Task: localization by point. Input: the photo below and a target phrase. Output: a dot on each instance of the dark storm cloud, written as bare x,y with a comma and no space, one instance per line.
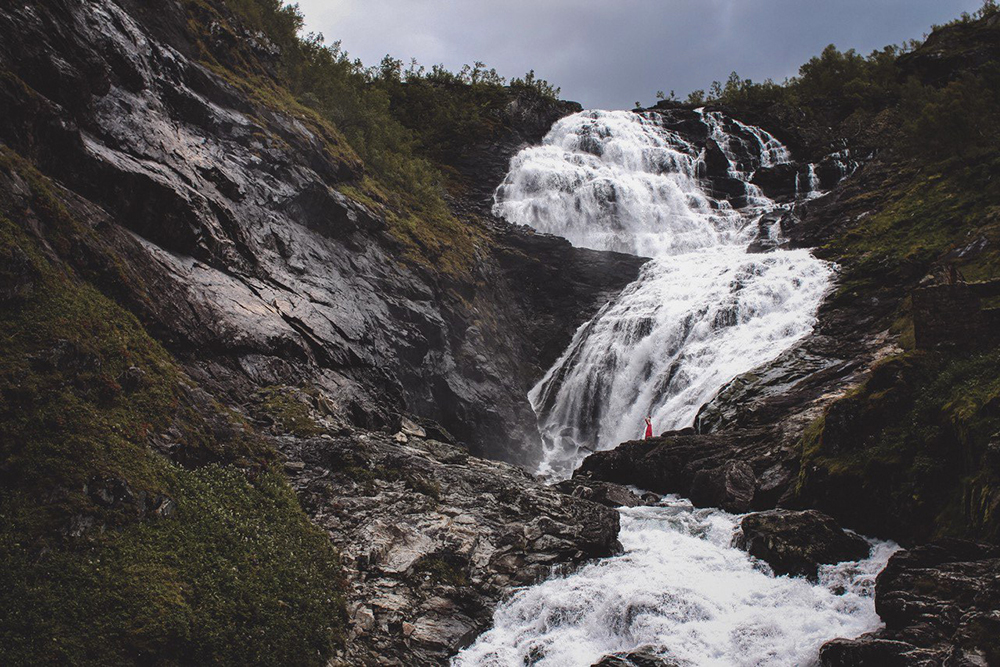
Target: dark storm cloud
611,53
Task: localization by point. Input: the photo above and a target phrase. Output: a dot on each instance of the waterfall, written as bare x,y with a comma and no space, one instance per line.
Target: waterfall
702,311
614,180
669,342
812,183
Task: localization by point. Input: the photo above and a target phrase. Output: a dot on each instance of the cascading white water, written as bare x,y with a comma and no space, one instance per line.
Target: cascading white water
613,180
681,592
812,183
669,342
701,313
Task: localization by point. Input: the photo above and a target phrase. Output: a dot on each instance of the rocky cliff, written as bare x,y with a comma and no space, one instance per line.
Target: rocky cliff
264,272
202,277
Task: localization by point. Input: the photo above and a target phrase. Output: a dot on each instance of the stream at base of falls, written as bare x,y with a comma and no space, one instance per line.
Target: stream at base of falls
703,311
681,591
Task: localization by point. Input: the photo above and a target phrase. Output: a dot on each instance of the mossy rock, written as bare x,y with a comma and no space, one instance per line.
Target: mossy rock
113,552
908,454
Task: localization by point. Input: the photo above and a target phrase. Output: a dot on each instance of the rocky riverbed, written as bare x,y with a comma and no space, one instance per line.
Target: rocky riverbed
432,538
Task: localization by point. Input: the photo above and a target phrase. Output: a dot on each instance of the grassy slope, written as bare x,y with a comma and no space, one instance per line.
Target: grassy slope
906,454
235,574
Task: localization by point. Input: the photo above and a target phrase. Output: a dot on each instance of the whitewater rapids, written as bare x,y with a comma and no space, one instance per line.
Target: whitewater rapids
681,592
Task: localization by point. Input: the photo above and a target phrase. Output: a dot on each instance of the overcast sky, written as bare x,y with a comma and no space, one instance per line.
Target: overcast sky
612,53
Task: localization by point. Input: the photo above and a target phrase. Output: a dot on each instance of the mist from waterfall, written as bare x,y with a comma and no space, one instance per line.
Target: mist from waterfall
702,311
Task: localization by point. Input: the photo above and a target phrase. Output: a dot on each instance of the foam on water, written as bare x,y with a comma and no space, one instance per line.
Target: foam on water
681,591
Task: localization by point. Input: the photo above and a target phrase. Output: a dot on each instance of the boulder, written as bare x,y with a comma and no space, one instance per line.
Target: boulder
605,493
637,658
870,651
797,543
778,181
940,605
729,487
736,470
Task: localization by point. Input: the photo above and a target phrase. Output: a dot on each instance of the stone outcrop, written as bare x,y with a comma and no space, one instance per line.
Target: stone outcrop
639,658
797,543
251,264
953,316
605,493
939,603
734,471
431,538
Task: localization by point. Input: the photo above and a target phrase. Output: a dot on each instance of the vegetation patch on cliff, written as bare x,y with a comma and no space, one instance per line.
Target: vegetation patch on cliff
921,440
399,126
115,552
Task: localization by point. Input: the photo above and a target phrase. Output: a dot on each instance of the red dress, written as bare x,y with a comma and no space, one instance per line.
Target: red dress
649,429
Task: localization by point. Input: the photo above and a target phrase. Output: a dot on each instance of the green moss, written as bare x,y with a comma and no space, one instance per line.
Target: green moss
441,570
912,442
430,235
235,574
925,212
287,409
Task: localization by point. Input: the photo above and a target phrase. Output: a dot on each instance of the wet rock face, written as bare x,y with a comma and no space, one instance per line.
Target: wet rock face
250,264
431,538
797,543
734,471
718,178
939,603
605,493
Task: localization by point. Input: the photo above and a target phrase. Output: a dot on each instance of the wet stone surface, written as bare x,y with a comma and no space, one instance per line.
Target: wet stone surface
431,538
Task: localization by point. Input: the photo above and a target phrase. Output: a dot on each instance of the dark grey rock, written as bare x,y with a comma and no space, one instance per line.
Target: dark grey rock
939,603
605,493
431,538
731,487
797,543
737,471
638,658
